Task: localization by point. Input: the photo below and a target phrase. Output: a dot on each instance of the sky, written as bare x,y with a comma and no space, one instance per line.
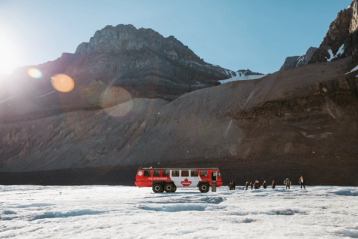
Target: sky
235,34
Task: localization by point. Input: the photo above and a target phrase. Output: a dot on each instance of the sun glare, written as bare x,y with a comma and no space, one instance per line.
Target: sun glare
9,55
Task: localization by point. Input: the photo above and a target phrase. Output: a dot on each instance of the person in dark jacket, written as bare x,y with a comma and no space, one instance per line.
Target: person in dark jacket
264,184
287,183
246,185
257,184
251,185
273,184
232,185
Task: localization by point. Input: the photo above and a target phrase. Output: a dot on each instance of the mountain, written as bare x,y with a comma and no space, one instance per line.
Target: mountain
118,63
300,121
242,75
341,39
145,62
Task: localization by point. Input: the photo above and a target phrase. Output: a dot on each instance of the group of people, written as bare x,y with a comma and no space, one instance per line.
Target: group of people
257,184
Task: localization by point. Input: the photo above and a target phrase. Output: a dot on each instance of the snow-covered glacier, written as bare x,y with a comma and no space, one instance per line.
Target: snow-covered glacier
130,212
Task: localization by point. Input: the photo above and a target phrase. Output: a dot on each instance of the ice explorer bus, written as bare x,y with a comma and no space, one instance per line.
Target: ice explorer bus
169,179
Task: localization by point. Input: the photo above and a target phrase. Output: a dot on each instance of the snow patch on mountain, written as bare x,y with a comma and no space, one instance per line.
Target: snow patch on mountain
339,53
353,70
243,75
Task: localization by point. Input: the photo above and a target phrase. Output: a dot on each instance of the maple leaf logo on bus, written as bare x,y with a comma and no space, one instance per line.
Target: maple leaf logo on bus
186,182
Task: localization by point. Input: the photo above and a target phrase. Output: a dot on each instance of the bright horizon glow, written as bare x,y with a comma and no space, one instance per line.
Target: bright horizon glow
9,54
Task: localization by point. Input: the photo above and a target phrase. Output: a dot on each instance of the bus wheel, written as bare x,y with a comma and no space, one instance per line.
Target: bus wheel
204,187
158,188
170,187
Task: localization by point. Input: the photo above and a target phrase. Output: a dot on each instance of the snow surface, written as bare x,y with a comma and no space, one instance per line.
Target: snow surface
339,52
240,76
130,212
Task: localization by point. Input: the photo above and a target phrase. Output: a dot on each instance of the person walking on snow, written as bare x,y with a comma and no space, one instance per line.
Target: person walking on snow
246,185
273,184
287,183
264,184
232,185
301,181
257,184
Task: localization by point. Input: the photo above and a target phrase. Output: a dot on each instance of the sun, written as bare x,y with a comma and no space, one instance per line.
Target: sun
9,55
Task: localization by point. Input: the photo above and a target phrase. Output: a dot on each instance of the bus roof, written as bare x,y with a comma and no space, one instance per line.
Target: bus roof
179,168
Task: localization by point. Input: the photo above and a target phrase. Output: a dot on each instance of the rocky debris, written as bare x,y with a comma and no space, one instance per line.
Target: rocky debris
340,40
76,139
297,61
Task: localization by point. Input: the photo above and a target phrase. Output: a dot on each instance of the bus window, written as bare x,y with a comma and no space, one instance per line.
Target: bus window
166,172
156,173
146,173
213,176
194,173
185,173
175,173
203,173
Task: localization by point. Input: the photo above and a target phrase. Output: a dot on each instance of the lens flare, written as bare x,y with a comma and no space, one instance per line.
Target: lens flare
120,110
114,95
34,73
117,102
62,83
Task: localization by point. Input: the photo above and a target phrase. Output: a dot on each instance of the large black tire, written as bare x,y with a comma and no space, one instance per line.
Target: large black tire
170,187
158,188
204,187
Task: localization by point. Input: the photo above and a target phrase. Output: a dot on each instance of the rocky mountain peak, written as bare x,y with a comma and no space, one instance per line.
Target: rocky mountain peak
354,21
121,38
292,62
339,41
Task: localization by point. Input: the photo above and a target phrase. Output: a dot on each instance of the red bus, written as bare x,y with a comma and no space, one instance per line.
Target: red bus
169,179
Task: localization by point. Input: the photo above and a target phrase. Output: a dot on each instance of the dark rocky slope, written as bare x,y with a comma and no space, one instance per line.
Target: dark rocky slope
301,121
295,122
